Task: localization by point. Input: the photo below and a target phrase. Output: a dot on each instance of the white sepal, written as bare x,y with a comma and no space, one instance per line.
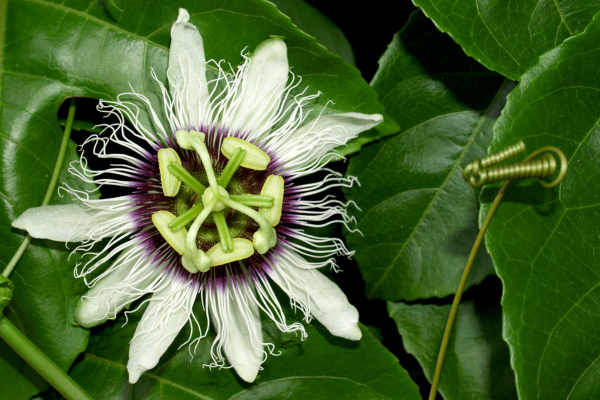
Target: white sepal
127,280
318,137
325,300
74,222
168,311
241,333
263,86
187,72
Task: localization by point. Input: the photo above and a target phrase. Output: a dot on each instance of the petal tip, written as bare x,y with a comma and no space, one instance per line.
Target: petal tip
183,17
247,372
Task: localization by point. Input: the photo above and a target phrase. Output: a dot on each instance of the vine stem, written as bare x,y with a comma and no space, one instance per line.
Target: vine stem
51,186
41,362
461,287
24,347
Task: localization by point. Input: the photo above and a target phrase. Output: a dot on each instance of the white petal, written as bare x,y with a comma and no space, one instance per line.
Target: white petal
318,137
168,311
114,291
187,70
71,222
242,335
327,303
263,85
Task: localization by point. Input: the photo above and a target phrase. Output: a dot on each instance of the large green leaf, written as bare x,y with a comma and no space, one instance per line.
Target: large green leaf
544,242
477,364
321,367
419,218
46,292
509,36
312,21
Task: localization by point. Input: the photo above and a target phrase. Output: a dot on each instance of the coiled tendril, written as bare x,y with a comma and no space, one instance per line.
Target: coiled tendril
482,170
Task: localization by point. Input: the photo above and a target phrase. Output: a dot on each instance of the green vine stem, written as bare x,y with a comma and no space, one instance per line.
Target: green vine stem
24,347
41,362
51,186
461,288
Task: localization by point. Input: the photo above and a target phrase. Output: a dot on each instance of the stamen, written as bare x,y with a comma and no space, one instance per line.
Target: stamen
253,200
273,187
255,158
187,217
194,259
170,183
187,178
224,234
242,249
266,236
234,162
197,142
161,220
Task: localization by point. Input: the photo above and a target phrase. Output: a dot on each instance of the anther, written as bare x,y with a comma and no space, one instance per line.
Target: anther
255,158
176,240
242,249
273,187
170,182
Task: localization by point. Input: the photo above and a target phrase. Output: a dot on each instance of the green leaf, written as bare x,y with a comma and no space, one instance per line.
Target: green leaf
477,364
312,21
45,293
509,36
6,292
419,218
544,242
321,367
79,125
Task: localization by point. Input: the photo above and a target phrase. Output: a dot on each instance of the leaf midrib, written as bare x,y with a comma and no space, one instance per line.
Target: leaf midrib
439,190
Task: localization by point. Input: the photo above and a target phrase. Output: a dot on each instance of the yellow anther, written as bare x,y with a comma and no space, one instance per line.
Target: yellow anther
161,221
255,158
273,187
170,184
242,249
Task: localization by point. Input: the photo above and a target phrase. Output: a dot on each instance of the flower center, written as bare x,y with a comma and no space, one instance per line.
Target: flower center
204,201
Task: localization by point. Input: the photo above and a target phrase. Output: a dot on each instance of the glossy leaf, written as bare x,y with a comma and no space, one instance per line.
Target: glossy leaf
418,215
509,36
46,292
544,242
477,364
310,20
321,367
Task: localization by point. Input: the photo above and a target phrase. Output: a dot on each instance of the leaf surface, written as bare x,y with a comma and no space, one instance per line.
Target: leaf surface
544,242
477,363
418,215
509,36
321,367
310,20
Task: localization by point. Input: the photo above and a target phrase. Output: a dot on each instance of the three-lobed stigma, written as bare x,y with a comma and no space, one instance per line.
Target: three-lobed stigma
213,204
